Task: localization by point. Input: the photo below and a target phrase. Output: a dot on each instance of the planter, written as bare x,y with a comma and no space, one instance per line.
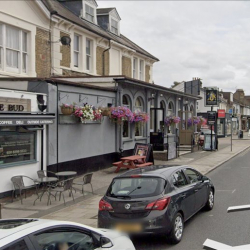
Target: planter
66,110
106,112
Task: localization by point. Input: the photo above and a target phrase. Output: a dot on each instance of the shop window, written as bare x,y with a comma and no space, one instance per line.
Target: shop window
17,147
13,49
139,108
125,125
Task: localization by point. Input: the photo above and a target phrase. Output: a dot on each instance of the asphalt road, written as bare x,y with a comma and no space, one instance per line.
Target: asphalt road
232,183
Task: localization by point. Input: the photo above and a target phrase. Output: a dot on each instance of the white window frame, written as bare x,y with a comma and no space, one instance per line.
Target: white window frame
90,55
89,14
21,53
141,70
77,52
135,67
114,29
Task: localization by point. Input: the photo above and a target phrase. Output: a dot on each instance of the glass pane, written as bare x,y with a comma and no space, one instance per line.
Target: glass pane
88,45
1,53
159,122
138,129
88,63
76,43
114,23
152,120
76,59
24,62
20,245
1,34
179,180
12,58
24,42
125,100
192,175
16,147
125,132
12,37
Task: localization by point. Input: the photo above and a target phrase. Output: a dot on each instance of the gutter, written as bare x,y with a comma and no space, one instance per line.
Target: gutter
103,58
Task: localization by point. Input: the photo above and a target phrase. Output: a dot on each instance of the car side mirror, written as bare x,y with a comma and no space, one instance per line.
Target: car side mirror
105,242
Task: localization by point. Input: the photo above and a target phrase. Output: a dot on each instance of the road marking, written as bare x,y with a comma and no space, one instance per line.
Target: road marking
238,208
225,190
233,191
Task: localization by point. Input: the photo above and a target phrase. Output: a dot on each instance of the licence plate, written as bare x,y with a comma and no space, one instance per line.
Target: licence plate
129,227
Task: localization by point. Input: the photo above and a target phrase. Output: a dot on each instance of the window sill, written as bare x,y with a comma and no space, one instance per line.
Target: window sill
139,138
127,139
7,73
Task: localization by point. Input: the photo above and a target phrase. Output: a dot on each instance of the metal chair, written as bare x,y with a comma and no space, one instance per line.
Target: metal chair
18,184
86,180
45,173
61,187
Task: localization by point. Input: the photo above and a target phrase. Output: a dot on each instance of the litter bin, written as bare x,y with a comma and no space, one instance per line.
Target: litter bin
240,135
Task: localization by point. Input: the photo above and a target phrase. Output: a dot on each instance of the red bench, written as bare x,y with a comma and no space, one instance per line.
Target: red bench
116,163
144,164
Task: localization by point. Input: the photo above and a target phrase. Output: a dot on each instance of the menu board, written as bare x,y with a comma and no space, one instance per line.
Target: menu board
207,142
172,150
17,147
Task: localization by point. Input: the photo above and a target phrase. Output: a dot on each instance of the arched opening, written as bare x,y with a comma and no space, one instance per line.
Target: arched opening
125,124
139,107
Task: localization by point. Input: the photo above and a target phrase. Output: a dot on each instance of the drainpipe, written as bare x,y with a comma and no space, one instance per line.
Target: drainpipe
103,58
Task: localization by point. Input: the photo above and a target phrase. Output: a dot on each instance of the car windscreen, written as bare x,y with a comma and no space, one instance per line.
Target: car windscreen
136,187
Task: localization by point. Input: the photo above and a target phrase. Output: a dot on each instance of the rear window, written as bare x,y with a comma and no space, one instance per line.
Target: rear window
138,187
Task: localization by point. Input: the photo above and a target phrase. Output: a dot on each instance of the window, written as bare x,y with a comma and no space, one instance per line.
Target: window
89,13
170,109
126,127
20,245
16,147
135,68
149,186
138,108
192,175
67,238
141,73
114,26
179,179
13,49
76,50
88,54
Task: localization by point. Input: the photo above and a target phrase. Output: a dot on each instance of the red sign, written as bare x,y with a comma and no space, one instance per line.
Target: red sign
221,113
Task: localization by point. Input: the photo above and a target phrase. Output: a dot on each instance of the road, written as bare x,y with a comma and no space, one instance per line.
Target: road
232,183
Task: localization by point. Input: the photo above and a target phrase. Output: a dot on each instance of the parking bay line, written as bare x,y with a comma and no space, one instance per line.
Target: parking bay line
232,191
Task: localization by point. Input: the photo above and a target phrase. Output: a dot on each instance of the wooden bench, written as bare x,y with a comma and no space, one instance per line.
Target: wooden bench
144,164
116,163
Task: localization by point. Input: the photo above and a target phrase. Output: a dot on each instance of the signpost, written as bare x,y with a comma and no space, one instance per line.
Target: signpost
211,119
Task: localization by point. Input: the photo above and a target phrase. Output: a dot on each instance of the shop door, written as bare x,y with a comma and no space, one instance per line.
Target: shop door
186,127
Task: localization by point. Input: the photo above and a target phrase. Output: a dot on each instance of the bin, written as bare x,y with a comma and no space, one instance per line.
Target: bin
240,134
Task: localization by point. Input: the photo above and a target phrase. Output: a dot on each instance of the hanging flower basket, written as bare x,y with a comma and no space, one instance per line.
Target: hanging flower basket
97,114
85,112
141,117
170,120
120,114
67,109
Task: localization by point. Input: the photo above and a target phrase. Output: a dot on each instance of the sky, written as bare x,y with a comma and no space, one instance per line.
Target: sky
205,39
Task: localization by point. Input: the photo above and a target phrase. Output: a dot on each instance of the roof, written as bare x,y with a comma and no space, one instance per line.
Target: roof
104,10
60,10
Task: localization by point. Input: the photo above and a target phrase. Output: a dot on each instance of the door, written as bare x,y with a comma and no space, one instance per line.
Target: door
200,188
185,193
63,238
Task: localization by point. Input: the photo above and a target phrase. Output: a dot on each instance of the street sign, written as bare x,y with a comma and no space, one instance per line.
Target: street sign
211,117
230,111
221,113
211,96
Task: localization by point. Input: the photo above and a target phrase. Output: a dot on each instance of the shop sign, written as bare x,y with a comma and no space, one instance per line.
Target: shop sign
18,122
211,117
221,113
8,104
211,96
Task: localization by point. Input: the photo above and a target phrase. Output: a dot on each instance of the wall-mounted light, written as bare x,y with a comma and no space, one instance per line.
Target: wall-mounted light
161,95
65,40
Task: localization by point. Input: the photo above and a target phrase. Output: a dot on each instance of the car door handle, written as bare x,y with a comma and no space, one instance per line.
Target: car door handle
196,190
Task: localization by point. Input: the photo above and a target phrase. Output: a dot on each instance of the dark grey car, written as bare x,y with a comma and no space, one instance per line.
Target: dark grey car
155,199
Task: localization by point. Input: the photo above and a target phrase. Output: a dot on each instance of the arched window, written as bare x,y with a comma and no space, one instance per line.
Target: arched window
191,108
139,108
126,127
170,108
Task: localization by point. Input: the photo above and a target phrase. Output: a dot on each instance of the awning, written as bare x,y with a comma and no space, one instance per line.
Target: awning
27,119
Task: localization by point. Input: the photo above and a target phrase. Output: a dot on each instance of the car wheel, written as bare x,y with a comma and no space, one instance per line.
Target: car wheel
175,235
210,202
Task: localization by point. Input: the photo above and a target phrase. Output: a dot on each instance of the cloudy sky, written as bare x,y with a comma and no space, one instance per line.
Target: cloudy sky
206,39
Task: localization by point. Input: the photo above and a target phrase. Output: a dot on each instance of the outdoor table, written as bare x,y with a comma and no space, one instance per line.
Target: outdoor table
45,181
129,162
65,174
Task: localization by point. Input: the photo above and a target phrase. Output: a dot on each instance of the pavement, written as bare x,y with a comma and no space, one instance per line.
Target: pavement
85,208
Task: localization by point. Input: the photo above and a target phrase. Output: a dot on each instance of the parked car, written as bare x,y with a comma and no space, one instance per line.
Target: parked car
30,234
155,199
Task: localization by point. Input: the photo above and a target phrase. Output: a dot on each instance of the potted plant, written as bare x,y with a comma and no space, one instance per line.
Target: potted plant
85,112
120,114
171,120
141,117
67,109
97,114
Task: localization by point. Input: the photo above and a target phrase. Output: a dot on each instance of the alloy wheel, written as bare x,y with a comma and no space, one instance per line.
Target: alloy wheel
178,227
211,199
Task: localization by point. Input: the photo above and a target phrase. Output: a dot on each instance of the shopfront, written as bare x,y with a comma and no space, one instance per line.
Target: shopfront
22,136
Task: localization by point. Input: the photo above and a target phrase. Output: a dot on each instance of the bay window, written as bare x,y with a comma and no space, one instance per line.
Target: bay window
13,49
76,50
89,13
88,54
114,26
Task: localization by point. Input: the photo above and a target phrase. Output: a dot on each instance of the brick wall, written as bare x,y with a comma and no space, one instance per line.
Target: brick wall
66,55
147,73
126,66
43,63
99,61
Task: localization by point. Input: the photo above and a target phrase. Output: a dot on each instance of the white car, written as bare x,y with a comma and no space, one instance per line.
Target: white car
30,234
